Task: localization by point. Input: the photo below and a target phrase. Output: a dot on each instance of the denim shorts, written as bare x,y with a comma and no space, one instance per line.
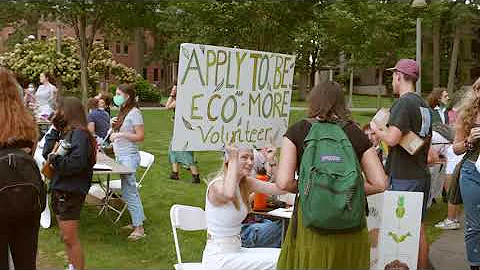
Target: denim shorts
412,185
67,205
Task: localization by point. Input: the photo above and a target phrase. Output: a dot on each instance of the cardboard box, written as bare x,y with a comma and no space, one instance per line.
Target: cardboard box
411,142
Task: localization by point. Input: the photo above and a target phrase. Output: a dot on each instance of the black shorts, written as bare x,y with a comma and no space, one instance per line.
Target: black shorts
67,205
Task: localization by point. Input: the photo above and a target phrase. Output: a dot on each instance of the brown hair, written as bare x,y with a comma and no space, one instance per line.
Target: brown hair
327,102
75,118
130,103
434,97
107,97
49,77
469,109
17,124
92,103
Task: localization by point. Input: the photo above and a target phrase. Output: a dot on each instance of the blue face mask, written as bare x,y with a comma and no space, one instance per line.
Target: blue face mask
118,100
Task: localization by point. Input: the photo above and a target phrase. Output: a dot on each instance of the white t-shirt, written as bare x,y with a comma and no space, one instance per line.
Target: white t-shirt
122,146
45,96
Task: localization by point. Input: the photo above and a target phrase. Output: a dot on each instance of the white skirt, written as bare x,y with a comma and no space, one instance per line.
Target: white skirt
227,253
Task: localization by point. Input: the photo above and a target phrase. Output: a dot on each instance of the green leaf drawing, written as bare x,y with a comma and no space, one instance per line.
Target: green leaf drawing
399,238
219,86
187,124
185,146
400,210
185,53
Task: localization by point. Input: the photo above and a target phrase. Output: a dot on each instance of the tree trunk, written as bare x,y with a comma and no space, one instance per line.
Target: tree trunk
59,50
313,68
302,85
380,84
140,49
467,59
436,53
82,21
453,62
350,92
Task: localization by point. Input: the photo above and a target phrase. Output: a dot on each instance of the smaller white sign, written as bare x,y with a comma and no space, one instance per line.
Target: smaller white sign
394,222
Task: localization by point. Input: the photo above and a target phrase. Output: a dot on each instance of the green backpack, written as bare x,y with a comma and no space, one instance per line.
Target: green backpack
331,186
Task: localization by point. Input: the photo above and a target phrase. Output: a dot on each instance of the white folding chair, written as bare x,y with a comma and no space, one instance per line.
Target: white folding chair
115,186
187,218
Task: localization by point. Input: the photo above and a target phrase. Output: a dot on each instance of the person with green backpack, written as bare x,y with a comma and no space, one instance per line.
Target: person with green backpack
331,155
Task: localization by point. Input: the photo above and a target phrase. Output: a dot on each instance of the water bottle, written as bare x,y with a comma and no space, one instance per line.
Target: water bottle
63,148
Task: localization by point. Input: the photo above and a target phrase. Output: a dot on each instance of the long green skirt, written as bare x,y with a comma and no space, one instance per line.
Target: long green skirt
311,250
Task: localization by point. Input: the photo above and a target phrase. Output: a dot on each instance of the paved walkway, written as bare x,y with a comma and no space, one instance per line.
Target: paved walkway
448,252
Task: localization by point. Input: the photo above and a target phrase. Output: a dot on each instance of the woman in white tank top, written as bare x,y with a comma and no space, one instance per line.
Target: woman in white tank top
226,207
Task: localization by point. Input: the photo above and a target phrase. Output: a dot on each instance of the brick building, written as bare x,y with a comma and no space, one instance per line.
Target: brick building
123,52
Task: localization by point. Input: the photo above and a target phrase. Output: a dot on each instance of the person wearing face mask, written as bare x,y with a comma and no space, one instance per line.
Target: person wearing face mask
45,96
226,206
72,165
128,131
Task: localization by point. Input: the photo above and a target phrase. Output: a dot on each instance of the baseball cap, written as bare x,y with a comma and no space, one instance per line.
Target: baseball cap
406,66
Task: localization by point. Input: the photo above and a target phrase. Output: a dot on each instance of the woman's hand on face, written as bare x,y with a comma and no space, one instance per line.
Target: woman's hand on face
232,152
474,134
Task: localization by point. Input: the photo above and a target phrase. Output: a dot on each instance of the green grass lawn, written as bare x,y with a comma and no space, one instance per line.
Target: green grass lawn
106,246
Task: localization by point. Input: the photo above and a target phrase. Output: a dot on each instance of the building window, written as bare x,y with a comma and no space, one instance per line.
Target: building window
145,73
117,47
125,48
42,37
155,74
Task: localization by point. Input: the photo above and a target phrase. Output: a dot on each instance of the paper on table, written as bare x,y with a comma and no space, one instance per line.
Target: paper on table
101,167
282,212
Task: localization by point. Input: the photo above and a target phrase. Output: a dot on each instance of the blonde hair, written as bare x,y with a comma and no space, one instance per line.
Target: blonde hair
243,185
469,109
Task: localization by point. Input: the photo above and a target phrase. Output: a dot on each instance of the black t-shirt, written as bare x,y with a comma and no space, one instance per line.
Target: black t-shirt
410,113
298,132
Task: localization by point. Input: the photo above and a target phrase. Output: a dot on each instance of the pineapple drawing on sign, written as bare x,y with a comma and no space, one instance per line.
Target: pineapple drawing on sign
400,210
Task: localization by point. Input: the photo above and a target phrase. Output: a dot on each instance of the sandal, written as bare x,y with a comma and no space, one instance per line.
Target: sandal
134,236
129,227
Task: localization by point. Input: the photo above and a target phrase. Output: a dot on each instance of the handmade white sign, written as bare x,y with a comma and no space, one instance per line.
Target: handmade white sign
231,95
394,222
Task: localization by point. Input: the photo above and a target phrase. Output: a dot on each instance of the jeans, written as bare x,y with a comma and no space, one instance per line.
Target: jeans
21,235
129,189
262,234
470,189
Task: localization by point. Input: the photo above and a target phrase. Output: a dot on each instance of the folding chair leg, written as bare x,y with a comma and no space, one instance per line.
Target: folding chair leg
121,213
106,204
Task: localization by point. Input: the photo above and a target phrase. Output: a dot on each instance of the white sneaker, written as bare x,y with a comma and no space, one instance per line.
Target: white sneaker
70,267
448,224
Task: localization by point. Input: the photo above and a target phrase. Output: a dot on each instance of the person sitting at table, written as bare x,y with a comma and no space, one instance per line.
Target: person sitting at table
104,101
258,231
226,206
98,120
73,169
